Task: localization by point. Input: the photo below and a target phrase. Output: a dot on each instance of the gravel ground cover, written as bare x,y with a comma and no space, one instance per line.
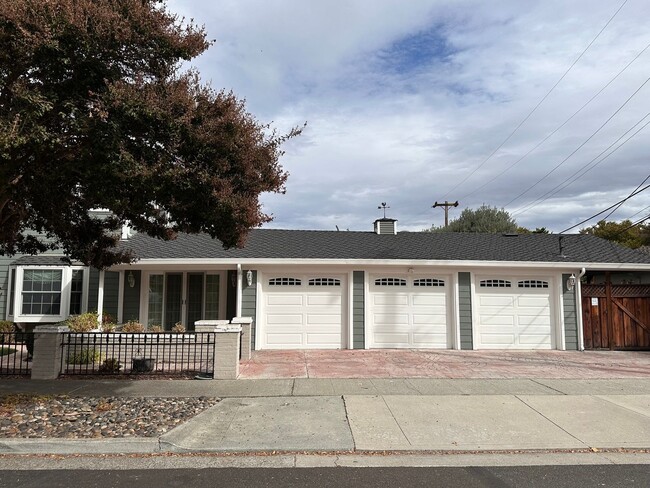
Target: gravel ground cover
33,416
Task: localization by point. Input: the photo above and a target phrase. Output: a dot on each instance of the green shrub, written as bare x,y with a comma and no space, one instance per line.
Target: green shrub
133,326
7,329
108,327
85,356
82,323
178,328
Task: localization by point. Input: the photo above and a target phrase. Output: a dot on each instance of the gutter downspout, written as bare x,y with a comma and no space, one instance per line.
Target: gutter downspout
578,292
239,292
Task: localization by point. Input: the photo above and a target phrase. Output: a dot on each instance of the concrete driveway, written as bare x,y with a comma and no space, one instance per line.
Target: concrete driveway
411,363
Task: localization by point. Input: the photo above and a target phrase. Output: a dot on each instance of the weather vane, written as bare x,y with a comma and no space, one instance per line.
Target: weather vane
384,207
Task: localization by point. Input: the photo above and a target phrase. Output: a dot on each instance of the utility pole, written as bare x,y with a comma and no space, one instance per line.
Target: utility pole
446,205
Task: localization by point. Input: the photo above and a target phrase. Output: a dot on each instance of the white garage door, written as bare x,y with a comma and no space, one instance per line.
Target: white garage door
409,312
303,312
514,313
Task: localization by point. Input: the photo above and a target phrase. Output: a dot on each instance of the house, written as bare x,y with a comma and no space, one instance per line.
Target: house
331,290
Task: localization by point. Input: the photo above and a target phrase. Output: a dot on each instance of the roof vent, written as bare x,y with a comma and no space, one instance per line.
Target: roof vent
386,226
510,234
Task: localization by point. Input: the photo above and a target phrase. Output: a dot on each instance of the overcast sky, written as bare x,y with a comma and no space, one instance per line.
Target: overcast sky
406,102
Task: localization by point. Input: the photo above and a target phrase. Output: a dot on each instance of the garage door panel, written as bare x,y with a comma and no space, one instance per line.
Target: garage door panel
284,300
541,320
297,317
276,339
411,315
429,319
514,318
323,319
528,301
390,319
496,301
383,299
391,339
430,300
496,319
431,339
324,300
282,319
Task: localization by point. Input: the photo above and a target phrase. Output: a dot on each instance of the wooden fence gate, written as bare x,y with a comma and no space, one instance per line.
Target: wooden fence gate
616,316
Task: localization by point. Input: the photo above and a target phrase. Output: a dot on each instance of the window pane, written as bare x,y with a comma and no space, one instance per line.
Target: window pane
42,292
155,300
212,297
173,297
194,298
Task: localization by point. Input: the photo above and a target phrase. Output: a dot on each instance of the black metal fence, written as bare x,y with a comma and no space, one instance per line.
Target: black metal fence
99,353
16,353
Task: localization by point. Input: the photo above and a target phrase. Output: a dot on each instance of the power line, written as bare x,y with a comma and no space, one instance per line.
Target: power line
580,146
640,211
557,128
608,208
638,222
538,103
620,204
583,170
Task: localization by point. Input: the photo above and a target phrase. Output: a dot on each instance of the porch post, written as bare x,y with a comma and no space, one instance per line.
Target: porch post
120,297
100,297
239,292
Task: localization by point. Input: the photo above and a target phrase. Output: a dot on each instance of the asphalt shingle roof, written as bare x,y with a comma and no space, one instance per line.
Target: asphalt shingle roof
314,244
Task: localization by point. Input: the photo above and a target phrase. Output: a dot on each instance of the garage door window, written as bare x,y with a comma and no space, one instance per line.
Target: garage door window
390,282
324,282
285,282
428,282
495,284
532,284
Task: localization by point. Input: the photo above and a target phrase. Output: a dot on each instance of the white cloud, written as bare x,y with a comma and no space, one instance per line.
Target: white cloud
404,100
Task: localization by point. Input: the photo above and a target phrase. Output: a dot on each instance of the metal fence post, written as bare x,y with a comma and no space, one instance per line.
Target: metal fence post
46,363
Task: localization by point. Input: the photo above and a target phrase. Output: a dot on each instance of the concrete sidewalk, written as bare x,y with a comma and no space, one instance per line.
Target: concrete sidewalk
376,415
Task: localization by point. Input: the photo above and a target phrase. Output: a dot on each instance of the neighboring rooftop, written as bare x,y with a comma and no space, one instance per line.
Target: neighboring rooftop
315,244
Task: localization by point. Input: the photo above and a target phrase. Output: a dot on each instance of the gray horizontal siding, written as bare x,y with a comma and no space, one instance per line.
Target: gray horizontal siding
358,307
465,310
131,304
570,316
249,304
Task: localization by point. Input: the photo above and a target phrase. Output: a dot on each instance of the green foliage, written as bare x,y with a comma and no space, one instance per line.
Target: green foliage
82,323
96,112
109,327
621,232
484,219
7,329
133,326
85,356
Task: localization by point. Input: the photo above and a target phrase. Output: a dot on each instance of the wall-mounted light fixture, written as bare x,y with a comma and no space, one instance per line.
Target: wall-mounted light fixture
571,282
131,279
249,277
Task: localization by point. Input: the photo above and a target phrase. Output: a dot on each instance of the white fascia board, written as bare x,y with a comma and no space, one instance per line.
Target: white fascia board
232,263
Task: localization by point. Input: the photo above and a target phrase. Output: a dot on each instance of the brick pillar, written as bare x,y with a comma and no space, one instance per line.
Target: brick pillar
46,363
226,352
208,325
246,338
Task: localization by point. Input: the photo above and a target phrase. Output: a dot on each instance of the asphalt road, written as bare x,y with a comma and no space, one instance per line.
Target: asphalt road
627,476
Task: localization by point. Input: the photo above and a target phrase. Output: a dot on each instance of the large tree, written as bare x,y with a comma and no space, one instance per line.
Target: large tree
97,112
483,219
624,233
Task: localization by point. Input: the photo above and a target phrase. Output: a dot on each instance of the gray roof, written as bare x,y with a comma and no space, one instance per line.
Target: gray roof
42,260
315,244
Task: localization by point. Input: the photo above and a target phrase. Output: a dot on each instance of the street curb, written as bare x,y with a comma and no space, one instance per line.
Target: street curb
80,446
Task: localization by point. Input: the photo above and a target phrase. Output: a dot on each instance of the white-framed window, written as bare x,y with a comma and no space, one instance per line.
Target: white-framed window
390,282
47,293
532,284
495,284
428,282
324,282
285,282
